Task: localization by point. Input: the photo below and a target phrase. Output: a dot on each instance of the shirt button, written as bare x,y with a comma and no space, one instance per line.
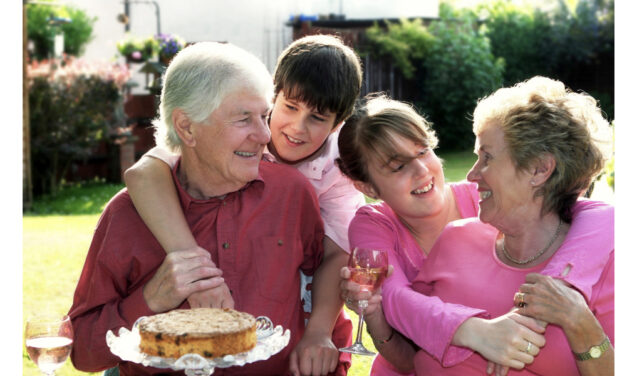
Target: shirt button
226,245
280,242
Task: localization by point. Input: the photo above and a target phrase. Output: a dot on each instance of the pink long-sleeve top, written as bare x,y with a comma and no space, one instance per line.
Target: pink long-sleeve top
430,321
463,268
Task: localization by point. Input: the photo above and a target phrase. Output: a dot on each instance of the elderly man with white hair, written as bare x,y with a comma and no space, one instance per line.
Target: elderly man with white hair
259,221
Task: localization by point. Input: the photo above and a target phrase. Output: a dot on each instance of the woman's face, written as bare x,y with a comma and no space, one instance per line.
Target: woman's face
412,184
505,194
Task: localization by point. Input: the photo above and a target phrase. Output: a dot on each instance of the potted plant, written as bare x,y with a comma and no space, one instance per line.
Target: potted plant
168,46
136,50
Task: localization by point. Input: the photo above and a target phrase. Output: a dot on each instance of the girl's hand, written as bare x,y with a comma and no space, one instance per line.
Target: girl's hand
351,293
511,340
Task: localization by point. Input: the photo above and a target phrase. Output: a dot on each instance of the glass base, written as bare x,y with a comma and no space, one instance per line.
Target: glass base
358,349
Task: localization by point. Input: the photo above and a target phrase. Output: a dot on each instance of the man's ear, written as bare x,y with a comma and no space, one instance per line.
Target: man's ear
543,167
183,127
366,188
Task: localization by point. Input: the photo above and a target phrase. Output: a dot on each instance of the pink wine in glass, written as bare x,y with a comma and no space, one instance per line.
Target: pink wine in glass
368,269
369,279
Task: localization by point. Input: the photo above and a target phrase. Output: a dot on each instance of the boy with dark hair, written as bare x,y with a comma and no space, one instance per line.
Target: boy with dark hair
317,82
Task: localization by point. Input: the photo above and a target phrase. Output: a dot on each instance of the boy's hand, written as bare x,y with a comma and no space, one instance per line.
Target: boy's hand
314,355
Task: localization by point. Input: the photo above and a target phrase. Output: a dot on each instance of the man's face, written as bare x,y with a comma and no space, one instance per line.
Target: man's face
230,144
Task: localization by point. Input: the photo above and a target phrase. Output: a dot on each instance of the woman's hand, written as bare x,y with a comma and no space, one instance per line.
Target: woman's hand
555,302
551,300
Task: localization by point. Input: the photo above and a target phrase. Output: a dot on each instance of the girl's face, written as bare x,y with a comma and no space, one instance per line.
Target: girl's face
411,183
298,131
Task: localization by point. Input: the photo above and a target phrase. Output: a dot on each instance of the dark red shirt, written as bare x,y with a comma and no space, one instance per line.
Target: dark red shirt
259,236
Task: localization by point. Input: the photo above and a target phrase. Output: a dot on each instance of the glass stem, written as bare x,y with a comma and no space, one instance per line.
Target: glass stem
362,305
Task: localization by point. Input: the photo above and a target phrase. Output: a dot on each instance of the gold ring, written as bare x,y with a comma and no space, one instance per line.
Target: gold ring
528,350
519,299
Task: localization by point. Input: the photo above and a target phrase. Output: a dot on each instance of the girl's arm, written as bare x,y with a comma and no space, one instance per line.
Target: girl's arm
587,246
151,187
400,301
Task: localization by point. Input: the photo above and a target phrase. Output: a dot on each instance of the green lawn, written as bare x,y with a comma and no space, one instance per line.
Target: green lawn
57,237
457,164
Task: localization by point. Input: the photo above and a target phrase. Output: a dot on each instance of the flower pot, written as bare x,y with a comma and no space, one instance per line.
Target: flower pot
165,60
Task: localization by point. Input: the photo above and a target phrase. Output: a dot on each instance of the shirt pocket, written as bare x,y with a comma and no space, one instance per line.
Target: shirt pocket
277,264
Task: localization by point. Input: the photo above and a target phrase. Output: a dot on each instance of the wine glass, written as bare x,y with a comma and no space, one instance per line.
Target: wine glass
49,341
368,269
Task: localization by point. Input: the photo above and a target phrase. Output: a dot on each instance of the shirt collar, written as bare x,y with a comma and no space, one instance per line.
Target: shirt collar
187,199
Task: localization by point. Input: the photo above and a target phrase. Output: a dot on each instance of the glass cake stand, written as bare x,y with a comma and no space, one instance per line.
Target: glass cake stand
270,340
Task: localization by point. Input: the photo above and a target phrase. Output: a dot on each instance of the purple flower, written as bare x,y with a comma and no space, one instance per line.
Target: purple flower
136,55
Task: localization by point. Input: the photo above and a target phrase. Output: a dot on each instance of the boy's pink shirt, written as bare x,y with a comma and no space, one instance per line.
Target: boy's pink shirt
337,196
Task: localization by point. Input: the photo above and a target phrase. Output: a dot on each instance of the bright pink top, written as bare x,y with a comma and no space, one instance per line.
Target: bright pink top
433,321
258,236
463,268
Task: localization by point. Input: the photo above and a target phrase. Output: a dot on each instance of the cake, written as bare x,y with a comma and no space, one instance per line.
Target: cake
208,332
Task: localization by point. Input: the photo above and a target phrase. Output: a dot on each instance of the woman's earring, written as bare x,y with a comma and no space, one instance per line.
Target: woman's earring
533,183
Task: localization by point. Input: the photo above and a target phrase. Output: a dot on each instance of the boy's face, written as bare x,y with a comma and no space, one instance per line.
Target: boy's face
297,130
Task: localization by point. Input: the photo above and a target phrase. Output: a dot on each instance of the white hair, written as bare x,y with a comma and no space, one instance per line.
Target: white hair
199,78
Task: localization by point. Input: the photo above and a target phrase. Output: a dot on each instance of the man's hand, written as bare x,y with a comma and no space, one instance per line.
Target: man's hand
181,274
217,297
314,355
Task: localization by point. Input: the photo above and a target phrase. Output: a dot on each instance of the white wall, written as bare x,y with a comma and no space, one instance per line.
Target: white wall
255,25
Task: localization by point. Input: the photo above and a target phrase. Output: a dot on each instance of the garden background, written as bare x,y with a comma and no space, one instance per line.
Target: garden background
441,65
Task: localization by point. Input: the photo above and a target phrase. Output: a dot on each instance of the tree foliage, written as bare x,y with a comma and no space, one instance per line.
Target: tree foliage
573,43
41,32
404,43
459,69
73,106
468,53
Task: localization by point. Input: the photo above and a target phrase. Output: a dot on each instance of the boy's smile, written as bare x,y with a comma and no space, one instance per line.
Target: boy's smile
297,129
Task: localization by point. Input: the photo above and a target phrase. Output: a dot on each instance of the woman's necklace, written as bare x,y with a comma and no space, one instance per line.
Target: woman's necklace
540,253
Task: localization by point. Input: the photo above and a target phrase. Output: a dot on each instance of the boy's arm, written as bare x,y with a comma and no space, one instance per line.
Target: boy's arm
587,247
316,348
154,195
150,185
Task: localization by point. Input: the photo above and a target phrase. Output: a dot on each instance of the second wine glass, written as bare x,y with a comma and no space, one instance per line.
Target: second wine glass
49,341
368,269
